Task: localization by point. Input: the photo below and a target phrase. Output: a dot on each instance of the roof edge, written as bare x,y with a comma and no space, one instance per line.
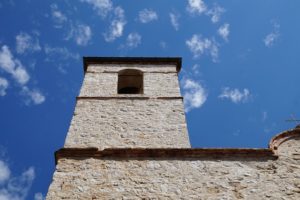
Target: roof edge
166,153
278,139
132,60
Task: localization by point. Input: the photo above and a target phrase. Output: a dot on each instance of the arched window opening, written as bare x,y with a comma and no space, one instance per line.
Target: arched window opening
130,81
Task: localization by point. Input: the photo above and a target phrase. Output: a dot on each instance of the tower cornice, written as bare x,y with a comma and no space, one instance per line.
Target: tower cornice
132,60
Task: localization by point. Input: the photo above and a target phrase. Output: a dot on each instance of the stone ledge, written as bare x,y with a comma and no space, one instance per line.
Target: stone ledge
277,140
132,60
126,97
152,72
166,153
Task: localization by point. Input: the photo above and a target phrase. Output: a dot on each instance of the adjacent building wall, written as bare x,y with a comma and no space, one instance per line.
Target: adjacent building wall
212,178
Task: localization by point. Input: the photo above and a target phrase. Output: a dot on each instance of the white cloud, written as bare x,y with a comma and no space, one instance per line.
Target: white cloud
39,196
15,188
21,75
270,39
59,53
195,69
103,7
223,31
33,96
82,34
174,17
117,25
13,66
26,43
58,17
194,94
199,7
133,40
196,6
4,172
3,86
264,116
163,44
215,13
147,15
235,95
199,46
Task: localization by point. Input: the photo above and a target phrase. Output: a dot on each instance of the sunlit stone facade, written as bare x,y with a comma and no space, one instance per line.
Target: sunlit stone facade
129,140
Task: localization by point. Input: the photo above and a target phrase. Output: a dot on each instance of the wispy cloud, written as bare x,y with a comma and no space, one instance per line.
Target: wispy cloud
215,13
116,26
271,38
13,66
32,96
196,6
3,86
199,7
133,40
81,34
195,69
194,94
15,187
147,15
163,45
61,56
174,18
102,7
264,116
224,31
26,43
199,46
235,95
39,196
59,53
4,172
58,17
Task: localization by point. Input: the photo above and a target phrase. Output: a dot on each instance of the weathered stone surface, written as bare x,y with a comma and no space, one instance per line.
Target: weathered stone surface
230,178
103,80
157,163
121,123
155,119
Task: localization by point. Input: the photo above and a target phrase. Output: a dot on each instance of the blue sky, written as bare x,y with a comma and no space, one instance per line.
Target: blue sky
240,74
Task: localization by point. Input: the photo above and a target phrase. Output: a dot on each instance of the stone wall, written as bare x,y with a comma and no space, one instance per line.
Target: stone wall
224,178
105,119
152,123
102,80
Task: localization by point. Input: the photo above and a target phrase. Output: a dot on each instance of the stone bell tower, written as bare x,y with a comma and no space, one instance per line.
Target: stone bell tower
128,140
129,102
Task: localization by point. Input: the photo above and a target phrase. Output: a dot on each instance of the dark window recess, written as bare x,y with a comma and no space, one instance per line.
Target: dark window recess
130,81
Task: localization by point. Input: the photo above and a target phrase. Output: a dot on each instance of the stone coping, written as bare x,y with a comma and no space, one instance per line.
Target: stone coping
166,153
277,140
128,97
132,60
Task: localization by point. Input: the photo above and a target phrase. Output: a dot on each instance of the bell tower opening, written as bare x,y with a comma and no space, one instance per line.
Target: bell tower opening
130,81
